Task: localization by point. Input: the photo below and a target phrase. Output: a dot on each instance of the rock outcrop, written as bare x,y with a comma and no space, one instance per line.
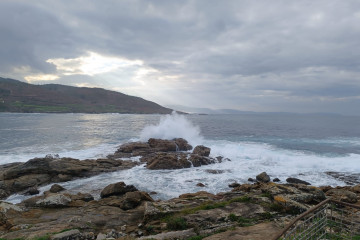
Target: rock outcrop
249,210
19,177
117,189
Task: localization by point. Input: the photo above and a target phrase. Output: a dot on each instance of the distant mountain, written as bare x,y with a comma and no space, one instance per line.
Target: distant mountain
207,110
17,96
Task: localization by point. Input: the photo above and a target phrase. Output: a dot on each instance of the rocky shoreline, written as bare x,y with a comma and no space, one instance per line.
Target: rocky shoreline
123,212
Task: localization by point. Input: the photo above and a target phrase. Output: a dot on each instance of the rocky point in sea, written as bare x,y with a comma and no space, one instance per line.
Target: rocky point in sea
255,210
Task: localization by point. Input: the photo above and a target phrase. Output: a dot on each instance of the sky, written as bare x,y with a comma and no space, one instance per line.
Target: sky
264,56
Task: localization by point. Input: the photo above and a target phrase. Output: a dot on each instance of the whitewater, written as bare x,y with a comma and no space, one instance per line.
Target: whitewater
301,146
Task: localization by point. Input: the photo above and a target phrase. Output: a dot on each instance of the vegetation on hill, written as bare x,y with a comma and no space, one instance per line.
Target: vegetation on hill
17,96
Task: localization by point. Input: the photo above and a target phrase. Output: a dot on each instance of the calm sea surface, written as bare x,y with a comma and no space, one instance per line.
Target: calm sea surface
282,144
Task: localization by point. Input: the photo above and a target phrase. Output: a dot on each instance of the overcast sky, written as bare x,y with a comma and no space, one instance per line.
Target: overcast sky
294,56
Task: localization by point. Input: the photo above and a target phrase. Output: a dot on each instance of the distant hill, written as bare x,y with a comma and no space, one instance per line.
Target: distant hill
17,96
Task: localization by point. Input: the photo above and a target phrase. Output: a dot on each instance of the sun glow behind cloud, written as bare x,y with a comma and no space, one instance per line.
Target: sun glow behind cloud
92,64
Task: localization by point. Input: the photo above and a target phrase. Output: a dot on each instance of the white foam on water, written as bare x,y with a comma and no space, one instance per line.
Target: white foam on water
26,153
246,160
173,126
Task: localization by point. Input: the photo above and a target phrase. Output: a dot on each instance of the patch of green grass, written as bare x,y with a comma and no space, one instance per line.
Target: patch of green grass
276,207
213,205
241,220
177,223
267,195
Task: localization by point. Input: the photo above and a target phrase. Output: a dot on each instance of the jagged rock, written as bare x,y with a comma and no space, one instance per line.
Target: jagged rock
40,171
182,144
55,188
198,160
133,199
118,189
356,188
297,181
133,146
32,191
72,234
213,171
162,145
200,185
166,161
202,151
276,180
53,200
263,177
342,195
234,185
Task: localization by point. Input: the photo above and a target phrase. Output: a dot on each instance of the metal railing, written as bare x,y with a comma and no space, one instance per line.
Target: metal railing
329,219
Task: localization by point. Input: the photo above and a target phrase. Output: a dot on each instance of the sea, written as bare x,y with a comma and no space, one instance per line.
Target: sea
304,146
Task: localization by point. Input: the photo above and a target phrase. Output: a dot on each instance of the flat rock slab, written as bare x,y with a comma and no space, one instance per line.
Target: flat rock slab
262,231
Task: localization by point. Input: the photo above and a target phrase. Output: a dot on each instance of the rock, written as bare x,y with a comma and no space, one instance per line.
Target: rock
53,200
101,236
185,234
55,188
182,144
198,160
133,146
40,171
276,180
119,188
202,151
342,195
213,171
263,177
356,188
257,232
5,206
32,191
166,161
133,199
200,185
251,180
234,185
297,181
162,145
72,234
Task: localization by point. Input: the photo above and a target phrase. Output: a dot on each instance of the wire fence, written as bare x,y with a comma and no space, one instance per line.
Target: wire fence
329,219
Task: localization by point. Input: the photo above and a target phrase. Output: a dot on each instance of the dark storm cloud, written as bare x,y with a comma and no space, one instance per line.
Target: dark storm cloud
259,53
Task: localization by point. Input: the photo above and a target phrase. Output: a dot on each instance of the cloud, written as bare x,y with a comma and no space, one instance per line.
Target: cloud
92,64
249,55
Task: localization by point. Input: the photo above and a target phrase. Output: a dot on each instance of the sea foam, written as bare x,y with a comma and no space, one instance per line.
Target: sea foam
173,126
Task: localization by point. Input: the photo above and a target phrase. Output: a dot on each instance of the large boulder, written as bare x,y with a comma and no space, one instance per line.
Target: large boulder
297,181
198,160
182,144
167,161
55,188
263,177
180,160
342,195
55,200
133,199
162,145
118,189
133,146
202,150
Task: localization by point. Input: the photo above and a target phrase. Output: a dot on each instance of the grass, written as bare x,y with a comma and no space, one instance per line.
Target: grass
177,223
243,222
